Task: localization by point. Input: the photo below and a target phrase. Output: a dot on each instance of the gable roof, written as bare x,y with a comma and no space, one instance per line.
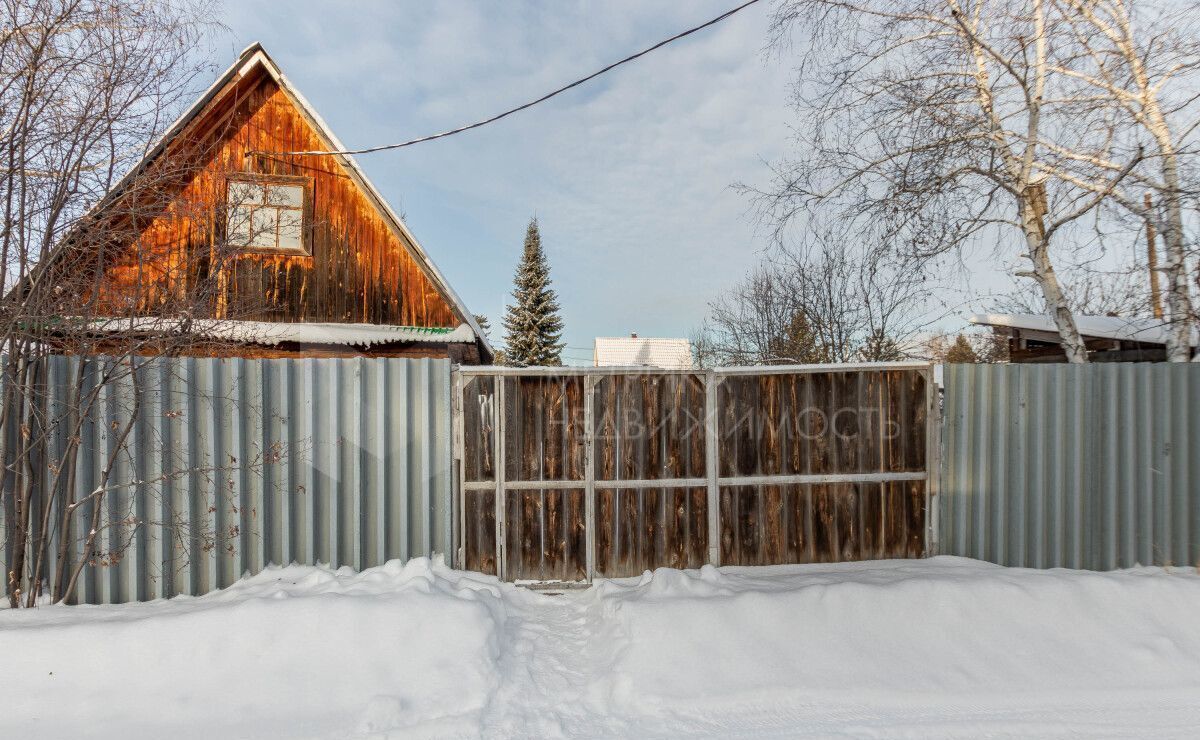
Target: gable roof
670,354
253,57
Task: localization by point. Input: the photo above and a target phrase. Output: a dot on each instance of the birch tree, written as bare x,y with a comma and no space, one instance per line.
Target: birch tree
942,122
1143,73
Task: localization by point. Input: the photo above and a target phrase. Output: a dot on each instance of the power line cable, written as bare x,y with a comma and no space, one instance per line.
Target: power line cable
531,103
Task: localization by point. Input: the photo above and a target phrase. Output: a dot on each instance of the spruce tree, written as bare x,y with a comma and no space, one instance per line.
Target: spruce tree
879,347
797,344
532,323
961,352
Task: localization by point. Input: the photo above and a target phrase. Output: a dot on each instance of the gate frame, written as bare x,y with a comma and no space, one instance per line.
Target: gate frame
713,481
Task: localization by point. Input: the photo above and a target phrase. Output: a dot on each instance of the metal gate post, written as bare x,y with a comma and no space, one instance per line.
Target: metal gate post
458,501
498,412
933,462
712,470
589,472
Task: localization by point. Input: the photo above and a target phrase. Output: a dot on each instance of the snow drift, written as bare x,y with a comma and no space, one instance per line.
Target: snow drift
928,643
291,651
941,647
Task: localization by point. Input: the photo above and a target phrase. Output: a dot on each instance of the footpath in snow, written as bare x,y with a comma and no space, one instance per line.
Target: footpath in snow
936,648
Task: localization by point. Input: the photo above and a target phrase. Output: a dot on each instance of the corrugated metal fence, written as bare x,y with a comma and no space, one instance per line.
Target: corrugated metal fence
1080,466
234,464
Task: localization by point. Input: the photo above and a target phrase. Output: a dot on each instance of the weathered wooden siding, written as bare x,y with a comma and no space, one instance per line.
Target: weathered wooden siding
822,523
479,542
810,466
814,423
360,270
543,441
479,423
649,427
543,430
546,538
639,529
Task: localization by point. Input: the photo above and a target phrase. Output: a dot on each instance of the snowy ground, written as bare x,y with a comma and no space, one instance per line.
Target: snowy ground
937,648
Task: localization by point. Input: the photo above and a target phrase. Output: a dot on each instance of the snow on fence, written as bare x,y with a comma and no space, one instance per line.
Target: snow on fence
1079,466
569,473
234,464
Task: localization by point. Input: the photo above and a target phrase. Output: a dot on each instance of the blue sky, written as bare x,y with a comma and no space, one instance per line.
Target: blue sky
629,176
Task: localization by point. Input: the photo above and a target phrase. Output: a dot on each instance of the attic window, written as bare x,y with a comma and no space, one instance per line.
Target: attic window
267,214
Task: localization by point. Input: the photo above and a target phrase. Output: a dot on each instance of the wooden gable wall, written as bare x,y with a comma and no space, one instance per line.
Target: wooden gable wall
360,269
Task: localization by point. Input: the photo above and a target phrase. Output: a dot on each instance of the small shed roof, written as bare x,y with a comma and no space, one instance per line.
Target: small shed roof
1124,328
667,353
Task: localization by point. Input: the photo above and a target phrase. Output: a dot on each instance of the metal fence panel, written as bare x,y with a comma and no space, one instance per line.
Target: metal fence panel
235,464
1080,466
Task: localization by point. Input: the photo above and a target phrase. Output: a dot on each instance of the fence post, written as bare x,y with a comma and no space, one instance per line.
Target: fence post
498,456
589,472
933,462
712,470
458,496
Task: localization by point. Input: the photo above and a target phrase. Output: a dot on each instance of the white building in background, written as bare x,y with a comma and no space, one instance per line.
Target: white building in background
630,351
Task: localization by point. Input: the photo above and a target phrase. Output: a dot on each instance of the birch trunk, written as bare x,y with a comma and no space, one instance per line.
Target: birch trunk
1043,274
1152,117
1179,303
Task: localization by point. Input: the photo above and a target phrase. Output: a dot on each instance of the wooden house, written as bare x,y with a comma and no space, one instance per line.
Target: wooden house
1034,338
228,234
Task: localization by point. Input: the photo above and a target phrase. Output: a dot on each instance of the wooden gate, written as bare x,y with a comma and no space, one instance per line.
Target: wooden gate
563,474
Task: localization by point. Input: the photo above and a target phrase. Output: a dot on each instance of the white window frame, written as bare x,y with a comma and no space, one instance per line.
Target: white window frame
266,182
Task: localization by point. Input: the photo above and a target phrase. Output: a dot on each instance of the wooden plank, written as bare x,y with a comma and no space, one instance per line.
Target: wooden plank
479,428
479,535
544,435
550,543
648,528
649,426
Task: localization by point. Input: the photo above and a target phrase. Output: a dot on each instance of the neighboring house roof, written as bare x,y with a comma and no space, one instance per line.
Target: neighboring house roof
671,354
1123,328
254,55
271,333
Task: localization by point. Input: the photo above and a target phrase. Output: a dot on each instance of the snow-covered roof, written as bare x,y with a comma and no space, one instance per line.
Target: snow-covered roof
671,354
1124,328
269,333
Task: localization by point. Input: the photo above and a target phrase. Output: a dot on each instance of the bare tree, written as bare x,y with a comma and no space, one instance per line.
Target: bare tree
86,86
942,121
1141,69
1091,290
827,299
